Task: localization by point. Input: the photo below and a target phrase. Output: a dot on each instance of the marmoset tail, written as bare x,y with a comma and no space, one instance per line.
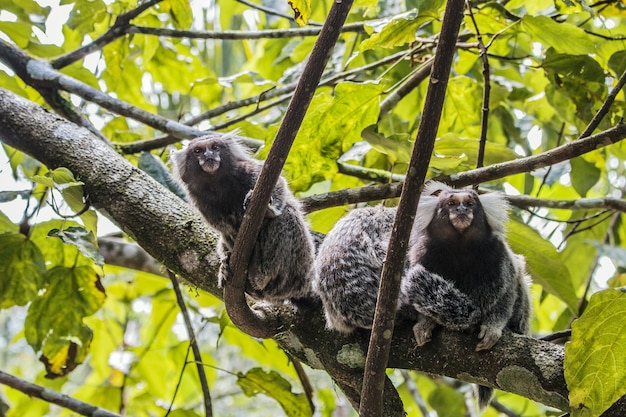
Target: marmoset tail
459,236
218,176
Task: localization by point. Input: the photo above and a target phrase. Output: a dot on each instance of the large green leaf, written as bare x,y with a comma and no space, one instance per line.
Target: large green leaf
595,364
578,66
401,29
257,381
332,125
563,37
22,270
54,324
543,262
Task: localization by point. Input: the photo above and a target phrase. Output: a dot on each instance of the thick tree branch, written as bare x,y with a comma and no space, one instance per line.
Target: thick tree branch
54,397
147,212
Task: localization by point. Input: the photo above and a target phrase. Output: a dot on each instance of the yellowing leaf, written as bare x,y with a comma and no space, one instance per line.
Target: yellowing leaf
595,364
257,381
22,270
301,10
54,323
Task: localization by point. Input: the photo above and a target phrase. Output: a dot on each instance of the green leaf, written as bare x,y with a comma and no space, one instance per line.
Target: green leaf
6,225
543,262
617,62
563,37
595,364
452,150
577,66
54,323
22,270
154,167
257,381
584,175
396,147
18,32
84,240
401,29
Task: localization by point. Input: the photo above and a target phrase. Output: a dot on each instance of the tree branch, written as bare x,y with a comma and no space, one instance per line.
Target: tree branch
54,397
521,365
234,291
40,75
241,34
393,266
119,29
193,342
490,173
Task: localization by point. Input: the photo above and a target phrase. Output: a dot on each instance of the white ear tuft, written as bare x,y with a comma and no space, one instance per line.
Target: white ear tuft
433,188
496,209
426,210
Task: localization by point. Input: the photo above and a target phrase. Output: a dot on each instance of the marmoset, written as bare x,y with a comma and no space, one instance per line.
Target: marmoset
348,268
218,176
460,236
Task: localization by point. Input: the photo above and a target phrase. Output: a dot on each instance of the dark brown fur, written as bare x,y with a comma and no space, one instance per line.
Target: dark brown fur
218,176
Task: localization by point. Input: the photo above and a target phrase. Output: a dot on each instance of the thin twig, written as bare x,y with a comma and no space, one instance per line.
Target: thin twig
417,396
53,397
273,12
193,342
604,109
119,29
239,34
484,116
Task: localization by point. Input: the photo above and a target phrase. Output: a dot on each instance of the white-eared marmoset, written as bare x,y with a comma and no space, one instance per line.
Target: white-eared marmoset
218,176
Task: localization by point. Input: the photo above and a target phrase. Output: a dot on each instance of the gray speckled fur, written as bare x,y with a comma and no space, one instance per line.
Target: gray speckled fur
348,267
282,260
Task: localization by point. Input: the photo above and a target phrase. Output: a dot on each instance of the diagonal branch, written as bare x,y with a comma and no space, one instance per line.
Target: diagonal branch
40,75
493,172
234,295
384,316
193,342
54,397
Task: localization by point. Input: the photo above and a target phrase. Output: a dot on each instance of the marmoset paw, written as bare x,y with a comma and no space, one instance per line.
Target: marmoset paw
423,331
488,336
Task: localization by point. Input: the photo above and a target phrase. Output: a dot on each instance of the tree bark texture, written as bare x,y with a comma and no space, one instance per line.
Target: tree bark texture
172,232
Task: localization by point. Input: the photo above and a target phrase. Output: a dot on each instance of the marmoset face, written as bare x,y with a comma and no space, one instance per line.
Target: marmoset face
460,206
207,153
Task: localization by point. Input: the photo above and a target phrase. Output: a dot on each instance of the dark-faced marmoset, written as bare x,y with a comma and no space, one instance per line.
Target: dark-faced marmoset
459,236
348,268
218,176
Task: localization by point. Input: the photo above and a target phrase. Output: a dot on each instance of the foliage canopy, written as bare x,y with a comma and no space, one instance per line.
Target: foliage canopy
113,335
